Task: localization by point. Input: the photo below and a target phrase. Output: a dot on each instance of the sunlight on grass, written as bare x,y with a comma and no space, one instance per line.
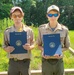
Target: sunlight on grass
71,34
68,59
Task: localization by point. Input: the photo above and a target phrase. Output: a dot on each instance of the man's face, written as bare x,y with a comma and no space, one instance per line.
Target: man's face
53,16
17,16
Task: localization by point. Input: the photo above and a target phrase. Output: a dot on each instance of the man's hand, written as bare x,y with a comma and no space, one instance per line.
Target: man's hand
57,55
27,46
46,57
9,49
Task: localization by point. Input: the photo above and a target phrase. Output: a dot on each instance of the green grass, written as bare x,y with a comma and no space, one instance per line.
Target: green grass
71,34
68,59
36,54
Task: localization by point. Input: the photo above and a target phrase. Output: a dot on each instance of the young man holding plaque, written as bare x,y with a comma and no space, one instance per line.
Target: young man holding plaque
19,52
53,64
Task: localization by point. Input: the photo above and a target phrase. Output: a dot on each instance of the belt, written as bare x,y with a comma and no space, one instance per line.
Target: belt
15,59
51,61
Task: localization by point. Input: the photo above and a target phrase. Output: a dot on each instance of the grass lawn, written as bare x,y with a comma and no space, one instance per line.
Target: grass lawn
71,34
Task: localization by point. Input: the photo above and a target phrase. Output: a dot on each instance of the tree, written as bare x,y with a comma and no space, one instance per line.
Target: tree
5,8
35,10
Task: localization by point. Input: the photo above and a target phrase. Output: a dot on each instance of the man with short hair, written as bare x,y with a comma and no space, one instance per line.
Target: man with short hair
53,66
19,63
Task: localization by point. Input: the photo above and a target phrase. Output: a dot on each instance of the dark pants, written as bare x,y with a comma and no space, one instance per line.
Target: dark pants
19,67
52,67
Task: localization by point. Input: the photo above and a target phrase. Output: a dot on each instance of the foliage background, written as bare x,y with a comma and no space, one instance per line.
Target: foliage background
35,10
36,53
35,14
